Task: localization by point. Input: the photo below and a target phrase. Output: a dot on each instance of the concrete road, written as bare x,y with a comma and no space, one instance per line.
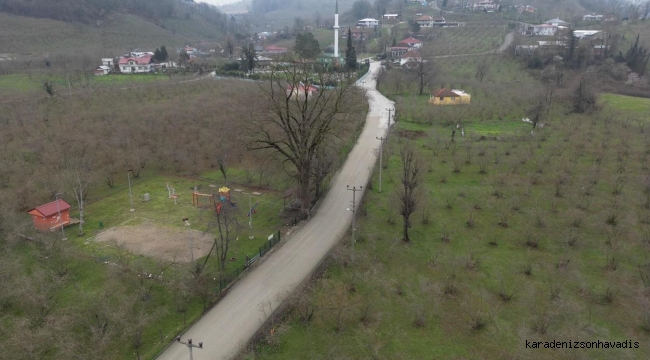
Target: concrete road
229,326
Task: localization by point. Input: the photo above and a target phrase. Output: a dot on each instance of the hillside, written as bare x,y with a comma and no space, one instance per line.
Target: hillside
106,32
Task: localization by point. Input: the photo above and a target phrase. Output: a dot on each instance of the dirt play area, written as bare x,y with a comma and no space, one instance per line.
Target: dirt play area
158,241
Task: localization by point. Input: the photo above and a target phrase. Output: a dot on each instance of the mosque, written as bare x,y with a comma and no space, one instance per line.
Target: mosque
334,57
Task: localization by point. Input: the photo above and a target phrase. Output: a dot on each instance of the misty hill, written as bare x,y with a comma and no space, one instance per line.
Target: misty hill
106,26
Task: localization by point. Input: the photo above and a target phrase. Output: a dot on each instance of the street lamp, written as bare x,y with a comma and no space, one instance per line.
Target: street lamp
250,215
189,345
354,204
58,209
187,223
128,176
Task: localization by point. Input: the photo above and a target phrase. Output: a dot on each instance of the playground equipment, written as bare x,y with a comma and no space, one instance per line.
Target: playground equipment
224,198
196,199
170,191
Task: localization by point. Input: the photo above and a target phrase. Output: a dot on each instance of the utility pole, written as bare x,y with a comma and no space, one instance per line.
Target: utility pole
128,176
250,217
187,223
189,345
381,157
58,209
354,204
389,111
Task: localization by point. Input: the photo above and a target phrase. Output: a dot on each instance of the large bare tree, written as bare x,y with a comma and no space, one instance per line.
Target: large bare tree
300,111
77,175
424,72
407,191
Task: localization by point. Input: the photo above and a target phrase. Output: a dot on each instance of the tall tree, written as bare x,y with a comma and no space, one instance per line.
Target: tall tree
164,55
307,47
407,191
230,46
350,54
77,174
296,126
361,9
156,55
248,56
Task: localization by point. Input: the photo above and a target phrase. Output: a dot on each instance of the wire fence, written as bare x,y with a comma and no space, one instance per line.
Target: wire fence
228,278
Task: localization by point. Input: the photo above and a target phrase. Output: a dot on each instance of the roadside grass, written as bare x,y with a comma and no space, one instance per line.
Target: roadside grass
461,287
632,104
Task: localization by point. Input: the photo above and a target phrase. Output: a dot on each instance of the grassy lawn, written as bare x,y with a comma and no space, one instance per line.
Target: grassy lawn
632,104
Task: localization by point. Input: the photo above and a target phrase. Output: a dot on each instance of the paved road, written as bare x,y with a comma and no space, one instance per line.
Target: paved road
229,326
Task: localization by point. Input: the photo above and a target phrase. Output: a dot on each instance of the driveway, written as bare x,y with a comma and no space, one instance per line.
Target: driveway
231,324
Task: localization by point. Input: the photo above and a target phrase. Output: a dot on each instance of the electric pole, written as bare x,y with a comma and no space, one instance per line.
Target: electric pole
187,223
389,111
381,157
189,344
58,209
354,206
128,176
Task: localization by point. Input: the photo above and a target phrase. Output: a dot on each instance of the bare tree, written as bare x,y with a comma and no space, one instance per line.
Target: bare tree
482,69
77,175
226,224
407,192
424,72
296,120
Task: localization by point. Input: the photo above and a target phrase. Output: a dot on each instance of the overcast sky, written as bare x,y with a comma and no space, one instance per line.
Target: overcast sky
218,2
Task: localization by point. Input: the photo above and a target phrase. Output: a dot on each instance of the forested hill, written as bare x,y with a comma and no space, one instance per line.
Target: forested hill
63,25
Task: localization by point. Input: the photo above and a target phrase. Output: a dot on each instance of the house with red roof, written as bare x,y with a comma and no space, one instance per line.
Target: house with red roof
449,97
411,56
274,49
411,43
430,21
136,64
300,90
51,216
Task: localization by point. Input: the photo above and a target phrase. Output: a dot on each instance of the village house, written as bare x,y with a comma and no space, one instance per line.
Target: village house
449,97
557,22
102,70
539,30
390,16
300,90
368,22
110,62
587,34
273,49
482,5
525,8
397,51
261,62
410,43
133,65
592,17
46,217
411,56
429,21
360,33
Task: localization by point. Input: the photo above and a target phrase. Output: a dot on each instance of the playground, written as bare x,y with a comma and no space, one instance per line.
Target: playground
159,241
171,211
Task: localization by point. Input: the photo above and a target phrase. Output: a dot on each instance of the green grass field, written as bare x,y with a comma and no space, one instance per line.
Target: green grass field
632,104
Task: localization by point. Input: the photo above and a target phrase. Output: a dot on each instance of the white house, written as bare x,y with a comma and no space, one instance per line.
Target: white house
132,65
581,34
368,22
102,70
390,16
482,5
108,62
540,30
410,43
557,22
412,56
592,17
429,21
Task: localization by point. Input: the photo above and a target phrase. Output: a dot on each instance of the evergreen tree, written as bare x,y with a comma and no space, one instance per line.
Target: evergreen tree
350,54
163,53
248,57
307,47
156,55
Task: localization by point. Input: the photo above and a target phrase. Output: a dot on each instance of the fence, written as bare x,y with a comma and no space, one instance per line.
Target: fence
226,279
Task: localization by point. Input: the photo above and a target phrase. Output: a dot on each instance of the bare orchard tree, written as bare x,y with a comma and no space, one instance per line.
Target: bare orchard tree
77,174
423,72
408,191
300,112
225,224
482,69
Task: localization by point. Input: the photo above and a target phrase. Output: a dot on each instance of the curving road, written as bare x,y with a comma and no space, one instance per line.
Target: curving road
230,325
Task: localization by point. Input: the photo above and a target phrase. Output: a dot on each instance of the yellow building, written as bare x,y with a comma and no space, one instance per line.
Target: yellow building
449,97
